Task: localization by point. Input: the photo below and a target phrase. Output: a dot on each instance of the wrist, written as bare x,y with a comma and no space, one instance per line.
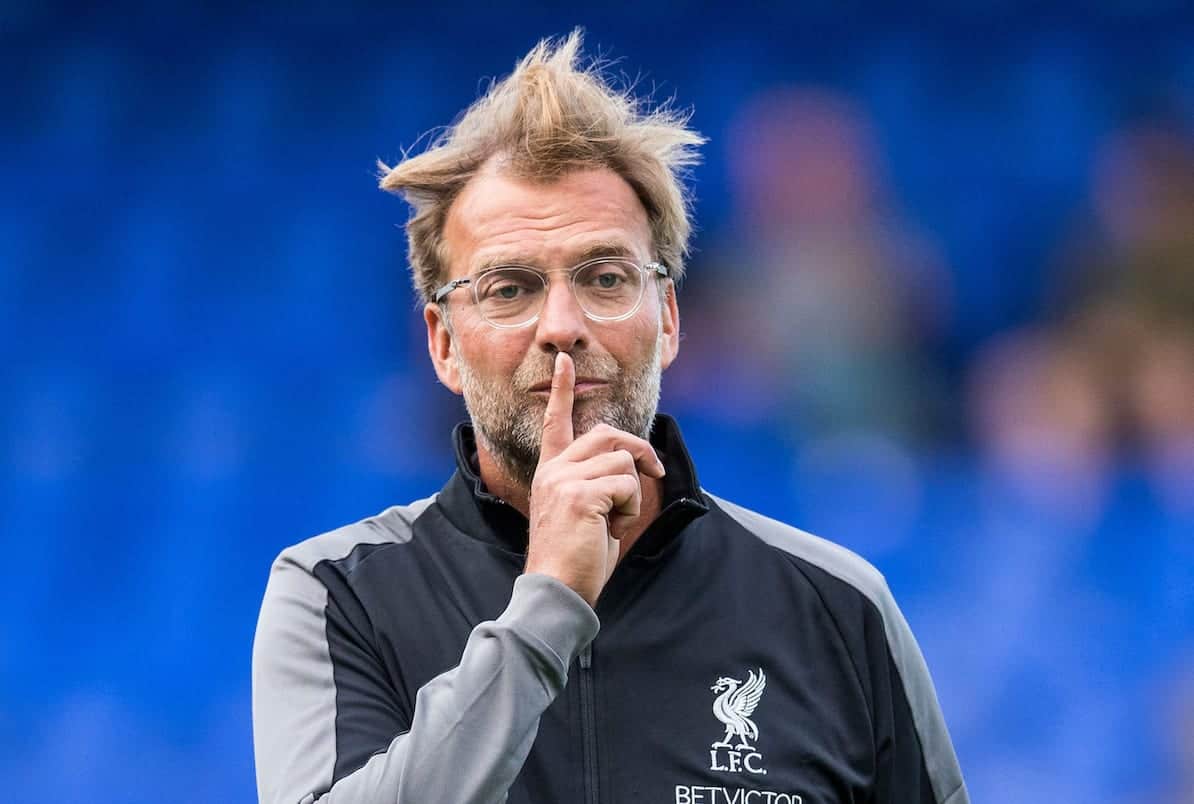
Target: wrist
561,574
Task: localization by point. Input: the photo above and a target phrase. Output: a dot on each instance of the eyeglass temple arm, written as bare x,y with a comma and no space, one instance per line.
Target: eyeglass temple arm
448,288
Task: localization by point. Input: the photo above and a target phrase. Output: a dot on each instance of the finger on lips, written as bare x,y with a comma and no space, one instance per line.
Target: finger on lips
557,419
558,436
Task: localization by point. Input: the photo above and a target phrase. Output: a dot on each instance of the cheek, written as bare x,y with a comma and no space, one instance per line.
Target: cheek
632,345
491,353
646,333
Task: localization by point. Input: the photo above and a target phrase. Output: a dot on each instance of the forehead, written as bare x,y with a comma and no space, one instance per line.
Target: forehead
499,217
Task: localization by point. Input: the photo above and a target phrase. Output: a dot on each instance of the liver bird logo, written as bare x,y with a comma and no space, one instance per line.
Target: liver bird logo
734,706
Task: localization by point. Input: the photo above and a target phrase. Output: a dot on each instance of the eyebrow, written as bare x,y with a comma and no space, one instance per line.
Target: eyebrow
604,248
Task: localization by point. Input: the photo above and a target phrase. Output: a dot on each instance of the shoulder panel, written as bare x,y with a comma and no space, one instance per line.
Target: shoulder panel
847,566
393,525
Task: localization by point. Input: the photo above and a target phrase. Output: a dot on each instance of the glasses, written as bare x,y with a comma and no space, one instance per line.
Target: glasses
512,296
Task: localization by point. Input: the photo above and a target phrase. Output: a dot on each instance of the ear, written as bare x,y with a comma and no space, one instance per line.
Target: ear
670,315
440,346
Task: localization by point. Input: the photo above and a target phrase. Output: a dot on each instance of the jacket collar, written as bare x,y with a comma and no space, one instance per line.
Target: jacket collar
470,506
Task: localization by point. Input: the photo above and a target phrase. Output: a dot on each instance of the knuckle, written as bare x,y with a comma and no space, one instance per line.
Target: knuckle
572,491
545,480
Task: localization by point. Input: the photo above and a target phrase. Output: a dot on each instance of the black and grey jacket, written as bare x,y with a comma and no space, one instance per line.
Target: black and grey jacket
731,659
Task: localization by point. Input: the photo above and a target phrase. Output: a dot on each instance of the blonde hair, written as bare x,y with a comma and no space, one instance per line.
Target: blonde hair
546,118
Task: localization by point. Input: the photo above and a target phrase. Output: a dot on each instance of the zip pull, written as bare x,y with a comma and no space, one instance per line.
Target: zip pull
586,657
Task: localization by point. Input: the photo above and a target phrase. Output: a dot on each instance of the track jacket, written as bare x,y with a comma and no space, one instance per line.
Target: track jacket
731,659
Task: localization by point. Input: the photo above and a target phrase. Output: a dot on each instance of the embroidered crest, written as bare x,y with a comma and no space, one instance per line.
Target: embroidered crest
735,703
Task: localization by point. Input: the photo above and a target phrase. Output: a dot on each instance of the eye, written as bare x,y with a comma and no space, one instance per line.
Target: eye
507,285
606,276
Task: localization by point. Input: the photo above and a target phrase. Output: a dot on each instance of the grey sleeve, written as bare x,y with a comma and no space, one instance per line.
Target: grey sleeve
472,728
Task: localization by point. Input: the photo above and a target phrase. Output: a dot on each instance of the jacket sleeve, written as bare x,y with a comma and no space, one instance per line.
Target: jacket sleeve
472,726
915,759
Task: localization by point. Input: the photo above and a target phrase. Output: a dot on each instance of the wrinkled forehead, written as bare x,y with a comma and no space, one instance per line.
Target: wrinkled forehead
503,218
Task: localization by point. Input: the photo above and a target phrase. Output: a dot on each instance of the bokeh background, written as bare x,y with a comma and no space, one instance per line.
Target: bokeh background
940,310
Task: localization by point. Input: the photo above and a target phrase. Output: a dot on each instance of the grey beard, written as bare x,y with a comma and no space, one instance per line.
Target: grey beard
509,423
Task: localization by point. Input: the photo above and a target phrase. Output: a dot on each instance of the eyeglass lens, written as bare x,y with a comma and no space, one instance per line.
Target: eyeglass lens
512,295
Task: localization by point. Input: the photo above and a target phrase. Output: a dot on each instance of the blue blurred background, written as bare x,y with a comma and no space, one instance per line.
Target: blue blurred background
941,310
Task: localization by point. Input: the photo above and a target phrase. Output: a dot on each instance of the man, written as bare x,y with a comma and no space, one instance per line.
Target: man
572,618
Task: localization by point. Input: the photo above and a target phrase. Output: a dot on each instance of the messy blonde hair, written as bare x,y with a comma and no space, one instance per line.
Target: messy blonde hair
545,119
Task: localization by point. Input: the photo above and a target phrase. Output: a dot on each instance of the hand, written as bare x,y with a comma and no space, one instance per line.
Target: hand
582,490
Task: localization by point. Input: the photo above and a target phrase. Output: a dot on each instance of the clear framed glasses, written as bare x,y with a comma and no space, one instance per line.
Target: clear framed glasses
512,296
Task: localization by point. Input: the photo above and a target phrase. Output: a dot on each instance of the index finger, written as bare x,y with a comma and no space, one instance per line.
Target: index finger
557,419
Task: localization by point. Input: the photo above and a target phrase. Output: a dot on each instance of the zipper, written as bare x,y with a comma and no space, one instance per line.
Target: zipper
588,724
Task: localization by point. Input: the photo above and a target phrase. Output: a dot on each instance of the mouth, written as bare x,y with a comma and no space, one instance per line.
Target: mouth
583,385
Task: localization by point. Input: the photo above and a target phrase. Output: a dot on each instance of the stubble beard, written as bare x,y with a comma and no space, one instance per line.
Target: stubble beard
508,420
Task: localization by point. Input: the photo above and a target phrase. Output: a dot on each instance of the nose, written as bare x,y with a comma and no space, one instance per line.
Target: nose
562,325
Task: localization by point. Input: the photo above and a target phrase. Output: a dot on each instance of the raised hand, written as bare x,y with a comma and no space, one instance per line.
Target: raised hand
583,489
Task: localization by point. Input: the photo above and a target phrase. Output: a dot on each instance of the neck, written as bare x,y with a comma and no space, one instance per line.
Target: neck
501,483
